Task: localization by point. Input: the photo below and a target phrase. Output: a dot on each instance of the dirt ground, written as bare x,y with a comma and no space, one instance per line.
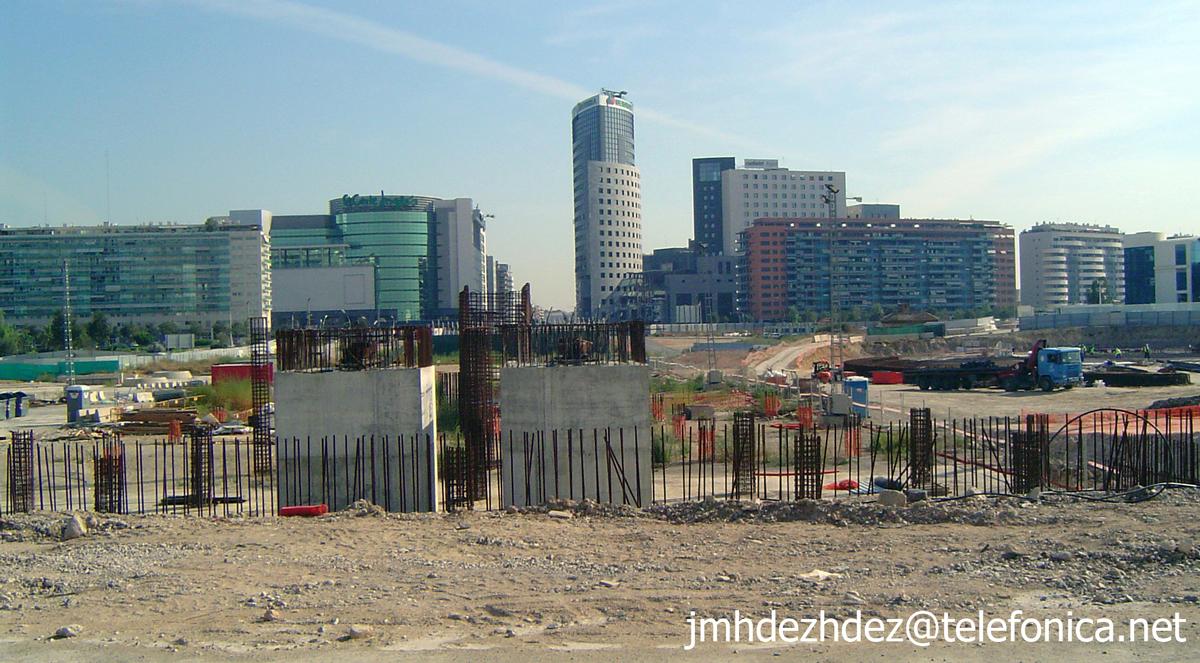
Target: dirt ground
896,400
600,585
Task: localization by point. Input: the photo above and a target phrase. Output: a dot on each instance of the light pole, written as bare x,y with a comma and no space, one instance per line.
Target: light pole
830,199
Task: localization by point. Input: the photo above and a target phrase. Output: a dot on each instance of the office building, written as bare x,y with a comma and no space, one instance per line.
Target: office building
707,208
1161,269
504,278
873,211
460,257
692,285
217,271
1071,263
761,189
790,267
419,251
607,197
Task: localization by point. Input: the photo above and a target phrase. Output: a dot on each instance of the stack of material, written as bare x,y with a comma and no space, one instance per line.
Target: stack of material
156,421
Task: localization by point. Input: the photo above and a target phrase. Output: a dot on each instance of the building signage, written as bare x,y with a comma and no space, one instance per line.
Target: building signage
602,100
617,101
357,203
761,163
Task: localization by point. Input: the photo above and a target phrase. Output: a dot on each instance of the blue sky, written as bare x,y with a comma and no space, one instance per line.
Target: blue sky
1020,111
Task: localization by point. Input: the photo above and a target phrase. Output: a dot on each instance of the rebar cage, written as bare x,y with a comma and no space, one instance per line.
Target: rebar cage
354,348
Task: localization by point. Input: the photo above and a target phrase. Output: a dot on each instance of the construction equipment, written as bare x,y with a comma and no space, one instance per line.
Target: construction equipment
963,375
1045,368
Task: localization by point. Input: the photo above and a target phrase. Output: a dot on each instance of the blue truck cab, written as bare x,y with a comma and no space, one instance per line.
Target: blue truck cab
1059,367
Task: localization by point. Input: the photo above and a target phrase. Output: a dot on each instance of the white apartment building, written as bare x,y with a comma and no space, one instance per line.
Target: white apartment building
1061,261
761,189
1161,269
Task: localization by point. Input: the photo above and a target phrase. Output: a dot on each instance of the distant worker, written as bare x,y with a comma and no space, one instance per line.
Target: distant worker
1146,350
1117,352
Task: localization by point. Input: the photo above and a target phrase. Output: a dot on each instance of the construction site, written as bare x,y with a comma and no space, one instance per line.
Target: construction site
604,476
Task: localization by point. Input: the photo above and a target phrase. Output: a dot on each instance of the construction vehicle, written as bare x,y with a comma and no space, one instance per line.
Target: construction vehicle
1045,368
965,375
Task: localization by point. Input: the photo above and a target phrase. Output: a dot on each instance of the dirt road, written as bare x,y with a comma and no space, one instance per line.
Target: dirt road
591,587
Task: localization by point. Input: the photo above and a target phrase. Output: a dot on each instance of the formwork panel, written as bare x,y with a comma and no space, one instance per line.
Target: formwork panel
575,432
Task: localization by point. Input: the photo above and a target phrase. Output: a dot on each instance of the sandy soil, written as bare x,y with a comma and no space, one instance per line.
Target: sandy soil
998,403
592,587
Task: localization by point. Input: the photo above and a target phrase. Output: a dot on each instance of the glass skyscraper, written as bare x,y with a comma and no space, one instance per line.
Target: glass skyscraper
608,205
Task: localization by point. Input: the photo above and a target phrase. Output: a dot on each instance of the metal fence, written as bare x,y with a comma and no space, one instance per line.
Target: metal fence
196,476
1104,450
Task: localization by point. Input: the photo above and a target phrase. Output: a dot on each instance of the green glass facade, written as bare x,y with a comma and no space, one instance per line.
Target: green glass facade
140,273
398,242
394,233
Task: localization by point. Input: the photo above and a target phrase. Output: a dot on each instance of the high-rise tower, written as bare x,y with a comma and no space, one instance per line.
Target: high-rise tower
608,199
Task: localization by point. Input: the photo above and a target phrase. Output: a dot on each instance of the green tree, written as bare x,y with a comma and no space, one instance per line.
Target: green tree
13,341
793,314
55,340
99,329
241,330
140,335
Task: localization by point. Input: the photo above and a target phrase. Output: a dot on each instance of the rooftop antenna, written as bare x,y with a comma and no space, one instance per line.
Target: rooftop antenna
67,341
107,190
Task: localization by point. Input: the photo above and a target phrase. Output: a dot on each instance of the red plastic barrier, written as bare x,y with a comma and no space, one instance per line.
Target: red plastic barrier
304,510
887,377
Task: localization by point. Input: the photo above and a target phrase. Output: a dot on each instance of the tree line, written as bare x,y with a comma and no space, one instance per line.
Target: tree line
99,333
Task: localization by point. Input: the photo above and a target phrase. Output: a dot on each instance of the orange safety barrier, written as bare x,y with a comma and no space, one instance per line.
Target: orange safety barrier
705,438
887,377
804,415
1108,416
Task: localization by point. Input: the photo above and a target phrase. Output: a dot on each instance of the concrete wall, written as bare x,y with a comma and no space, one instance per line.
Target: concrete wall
536,402
393,404
301,289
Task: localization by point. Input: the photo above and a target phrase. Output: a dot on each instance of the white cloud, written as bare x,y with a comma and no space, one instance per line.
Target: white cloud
370,34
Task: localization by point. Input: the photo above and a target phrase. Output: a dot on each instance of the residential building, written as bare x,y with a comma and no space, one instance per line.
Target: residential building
761,189
707,206
217,271
1161,269
1071,263
608,199
790,266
